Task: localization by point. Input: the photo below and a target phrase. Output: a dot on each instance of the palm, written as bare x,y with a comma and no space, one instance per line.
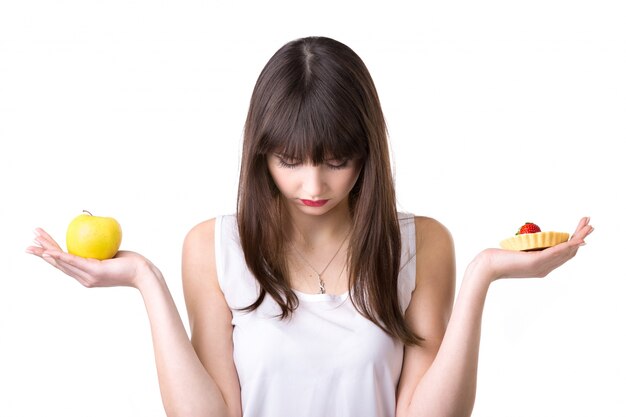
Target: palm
122,270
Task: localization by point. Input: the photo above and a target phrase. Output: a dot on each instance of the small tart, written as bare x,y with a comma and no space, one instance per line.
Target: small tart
534,241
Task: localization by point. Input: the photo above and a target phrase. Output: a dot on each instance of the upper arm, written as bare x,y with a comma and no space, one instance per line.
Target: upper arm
431,303
209,315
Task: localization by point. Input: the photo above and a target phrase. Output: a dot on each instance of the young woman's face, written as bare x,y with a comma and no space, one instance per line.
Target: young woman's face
313,189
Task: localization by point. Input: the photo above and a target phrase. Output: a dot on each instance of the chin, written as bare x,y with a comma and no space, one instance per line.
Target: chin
318,211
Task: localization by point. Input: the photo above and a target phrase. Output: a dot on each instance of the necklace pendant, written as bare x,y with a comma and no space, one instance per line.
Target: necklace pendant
319,274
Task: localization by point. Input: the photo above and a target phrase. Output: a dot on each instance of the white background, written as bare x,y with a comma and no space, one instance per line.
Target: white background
498,113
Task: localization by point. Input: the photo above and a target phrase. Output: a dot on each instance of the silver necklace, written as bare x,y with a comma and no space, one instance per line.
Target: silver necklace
322,284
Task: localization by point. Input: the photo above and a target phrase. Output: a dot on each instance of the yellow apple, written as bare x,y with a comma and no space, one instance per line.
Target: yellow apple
93,236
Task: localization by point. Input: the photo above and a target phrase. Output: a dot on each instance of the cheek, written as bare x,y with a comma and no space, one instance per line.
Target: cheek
355,177
350,180
280,180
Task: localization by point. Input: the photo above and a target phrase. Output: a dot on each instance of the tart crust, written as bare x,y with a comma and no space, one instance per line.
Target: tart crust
534,241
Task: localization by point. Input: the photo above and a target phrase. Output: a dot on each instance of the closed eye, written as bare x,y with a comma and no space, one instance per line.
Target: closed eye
337,163
286,162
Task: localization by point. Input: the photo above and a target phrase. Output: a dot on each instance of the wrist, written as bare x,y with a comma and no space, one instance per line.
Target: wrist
147,276
481,268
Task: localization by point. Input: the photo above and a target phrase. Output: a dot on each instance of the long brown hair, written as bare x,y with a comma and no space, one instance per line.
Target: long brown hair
313,99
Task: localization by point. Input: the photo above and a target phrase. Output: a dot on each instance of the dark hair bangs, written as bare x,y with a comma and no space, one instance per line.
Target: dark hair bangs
313,129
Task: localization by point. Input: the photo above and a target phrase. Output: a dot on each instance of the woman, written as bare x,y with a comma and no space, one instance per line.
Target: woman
317,298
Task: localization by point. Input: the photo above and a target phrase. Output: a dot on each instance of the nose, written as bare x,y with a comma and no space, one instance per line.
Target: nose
313,182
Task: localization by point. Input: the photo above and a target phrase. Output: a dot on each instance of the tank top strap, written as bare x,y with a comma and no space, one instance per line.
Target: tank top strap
239,286
406,277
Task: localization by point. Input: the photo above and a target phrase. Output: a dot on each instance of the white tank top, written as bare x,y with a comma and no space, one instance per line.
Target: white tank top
326,360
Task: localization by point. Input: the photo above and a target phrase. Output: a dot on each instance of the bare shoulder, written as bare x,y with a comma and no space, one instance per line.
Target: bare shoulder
199,247
200,238
434,244
198,264
429,232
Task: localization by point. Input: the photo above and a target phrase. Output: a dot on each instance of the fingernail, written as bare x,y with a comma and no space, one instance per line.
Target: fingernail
46,255
583,243
36,232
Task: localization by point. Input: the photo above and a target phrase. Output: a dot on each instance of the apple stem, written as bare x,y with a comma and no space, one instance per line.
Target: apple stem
85,211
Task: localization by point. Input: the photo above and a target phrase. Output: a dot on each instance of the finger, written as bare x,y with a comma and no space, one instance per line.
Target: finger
72,269
581,224
44,239
87,265
48,258
41,252
35,250
36,244
582,230
587,230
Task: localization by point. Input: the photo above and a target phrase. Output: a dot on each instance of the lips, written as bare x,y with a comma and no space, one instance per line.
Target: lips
316,203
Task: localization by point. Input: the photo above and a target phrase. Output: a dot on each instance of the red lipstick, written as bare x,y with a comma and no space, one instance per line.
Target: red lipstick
316,203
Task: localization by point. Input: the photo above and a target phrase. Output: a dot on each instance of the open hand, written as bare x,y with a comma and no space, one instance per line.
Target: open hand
513,264
125,269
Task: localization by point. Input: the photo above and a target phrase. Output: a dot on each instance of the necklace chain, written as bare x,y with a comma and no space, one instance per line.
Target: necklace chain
322,284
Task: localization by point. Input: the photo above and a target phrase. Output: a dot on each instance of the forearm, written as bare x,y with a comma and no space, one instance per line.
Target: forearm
448,388
186,387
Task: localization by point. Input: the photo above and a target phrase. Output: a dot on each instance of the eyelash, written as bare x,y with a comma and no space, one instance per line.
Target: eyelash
283,164
339,166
